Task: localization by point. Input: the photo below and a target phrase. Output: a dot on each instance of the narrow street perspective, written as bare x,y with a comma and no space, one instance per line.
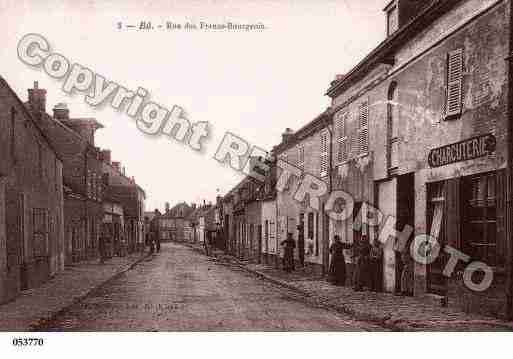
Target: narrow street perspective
182,290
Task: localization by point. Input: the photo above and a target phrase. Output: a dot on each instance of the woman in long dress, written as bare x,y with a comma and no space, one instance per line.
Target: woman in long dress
337,270
288,253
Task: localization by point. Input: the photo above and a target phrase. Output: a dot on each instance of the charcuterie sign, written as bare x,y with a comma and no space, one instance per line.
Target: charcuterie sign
469,149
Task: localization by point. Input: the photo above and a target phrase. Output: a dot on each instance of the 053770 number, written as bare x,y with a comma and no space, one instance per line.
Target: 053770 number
27,342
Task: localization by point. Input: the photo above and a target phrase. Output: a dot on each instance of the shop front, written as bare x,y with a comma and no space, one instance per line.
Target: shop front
464,210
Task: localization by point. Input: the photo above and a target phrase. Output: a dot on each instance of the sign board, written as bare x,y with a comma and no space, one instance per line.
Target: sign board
469,149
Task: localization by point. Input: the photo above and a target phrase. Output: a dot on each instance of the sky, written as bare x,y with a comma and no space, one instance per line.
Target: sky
253,84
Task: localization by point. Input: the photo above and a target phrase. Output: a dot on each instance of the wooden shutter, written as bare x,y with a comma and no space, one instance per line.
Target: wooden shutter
453,213
341,135
454,83
363,127
324,154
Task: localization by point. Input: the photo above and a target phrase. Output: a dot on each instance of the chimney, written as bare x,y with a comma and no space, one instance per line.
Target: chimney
338,77
287,135
401,12
167,207
116,165
37,98
61,111
123,170
193,205
106,154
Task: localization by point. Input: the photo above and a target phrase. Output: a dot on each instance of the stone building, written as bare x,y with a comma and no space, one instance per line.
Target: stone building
125,191
175,222
241,213
270,243
73,139
421,131
307,150
31,197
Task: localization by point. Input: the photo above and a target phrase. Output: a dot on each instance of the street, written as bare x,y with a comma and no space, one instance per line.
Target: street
182,290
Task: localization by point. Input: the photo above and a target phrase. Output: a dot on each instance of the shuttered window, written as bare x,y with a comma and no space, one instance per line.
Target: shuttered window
363,127
341,133
454,83
324,154
301,157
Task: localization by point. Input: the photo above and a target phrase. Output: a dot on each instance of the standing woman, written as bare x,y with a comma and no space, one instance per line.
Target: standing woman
337,270
288,253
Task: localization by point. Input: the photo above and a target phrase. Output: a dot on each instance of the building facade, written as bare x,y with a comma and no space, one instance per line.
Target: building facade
31,199
431,103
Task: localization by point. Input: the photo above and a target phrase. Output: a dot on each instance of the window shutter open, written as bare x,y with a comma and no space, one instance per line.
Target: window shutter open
324,155
363,131
454,83
340,131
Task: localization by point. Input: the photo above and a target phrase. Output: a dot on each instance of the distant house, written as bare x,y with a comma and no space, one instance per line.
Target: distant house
173,223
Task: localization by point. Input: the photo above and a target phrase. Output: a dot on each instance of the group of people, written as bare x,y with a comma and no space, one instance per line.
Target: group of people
368,264
367,259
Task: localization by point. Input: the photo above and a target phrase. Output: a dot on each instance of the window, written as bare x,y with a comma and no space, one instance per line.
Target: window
324,154
301,157
363,127
392,20
40,231
89,184
40,160
13,134
480,211
454,83
392,126
316,234
341,135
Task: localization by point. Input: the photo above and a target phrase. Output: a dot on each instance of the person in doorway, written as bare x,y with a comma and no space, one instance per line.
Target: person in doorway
288,253
337,269
361,272
375,265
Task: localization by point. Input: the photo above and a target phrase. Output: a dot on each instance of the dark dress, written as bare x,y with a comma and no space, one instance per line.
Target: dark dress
337,270
288,255
361,271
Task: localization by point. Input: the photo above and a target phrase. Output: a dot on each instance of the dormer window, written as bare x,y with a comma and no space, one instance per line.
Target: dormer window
392,18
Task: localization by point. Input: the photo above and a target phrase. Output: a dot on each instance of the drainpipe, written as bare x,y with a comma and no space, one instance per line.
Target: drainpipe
509,174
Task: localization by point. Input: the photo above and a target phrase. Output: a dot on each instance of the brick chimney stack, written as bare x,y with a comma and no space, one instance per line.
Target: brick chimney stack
61,111
287,135
37,98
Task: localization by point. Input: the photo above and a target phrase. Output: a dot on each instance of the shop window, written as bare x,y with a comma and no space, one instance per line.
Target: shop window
480,226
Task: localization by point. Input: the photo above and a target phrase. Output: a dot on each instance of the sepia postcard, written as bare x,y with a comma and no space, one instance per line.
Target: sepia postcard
219,168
